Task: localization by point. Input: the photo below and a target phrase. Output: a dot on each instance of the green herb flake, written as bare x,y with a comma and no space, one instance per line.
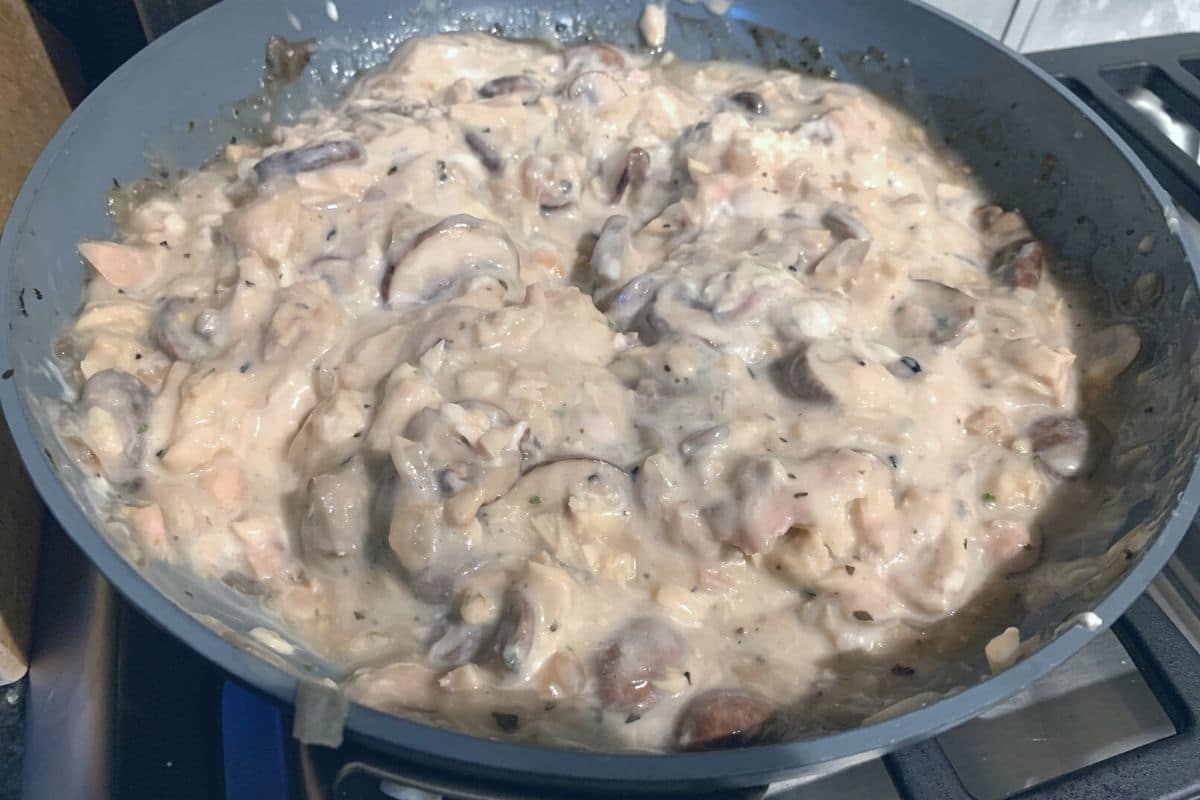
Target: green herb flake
535,500
989,499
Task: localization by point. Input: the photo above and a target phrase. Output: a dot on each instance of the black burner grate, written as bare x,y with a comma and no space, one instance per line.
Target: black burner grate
1103,76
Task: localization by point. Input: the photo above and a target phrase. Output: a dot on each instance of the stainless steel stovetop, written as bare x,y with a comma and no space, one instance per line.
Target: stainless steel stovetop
91,649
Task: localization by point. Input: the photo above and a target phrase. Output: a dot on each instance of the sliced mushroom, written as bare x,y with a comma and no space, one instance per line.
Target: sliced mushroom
634,173
308,158
122,265
485,151
510,84
843,222
752,102
458,645
436,584
595,88
800,379
1061,444
515,631
431,264
337,516
111,419
611,252
935,312
1025,263
705,440
635,657
433,535
477,446
722,718
526,634
631,301
553,483
905,367
189,331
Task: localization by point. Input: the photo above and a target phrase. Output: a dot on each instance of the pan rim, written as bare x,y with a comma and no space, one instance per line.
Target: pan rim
752,765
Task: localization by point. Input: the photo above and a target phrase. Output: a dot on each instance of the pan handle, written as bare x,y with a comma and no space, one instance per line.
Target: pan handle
1166,768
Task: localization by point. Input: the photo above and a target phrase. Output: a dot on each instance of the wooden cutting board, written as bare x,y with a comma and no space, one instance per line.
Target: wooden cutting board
32,106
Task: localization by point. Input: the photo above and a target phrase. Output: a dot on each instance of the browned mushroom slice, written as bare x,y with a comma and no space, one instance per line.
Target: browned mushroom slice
515,631
935,312
118,438
722,718
634,173
843,222
485,151
433,262
1026,265
308,158
189,331
639,654
1061,444
595,88
611,251
534,604
800,379
510,84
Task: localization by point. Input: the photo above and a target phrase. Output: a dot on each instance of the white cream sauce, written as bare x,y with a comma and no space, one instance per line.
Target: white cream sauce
582,396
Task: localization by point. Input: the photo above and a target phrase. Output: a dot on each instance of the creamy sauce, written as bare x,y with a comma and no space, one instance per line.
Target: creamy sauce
582,396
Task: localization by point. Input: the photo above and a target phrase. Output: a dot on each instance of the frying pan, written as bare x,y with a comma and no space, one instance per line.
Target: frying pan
1030,143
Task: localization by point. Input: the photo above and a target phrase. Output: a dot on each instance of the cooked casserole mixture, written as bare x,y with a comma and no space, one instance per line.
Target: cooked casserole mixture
585,397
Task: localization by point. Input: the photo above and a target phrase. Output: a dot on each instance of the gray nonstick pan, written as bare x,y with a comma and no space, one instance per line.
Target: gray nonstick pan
1031,144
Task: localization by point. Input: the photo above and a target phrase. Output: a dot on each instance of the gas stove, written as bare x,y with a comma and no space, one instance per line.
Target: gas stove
116,707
